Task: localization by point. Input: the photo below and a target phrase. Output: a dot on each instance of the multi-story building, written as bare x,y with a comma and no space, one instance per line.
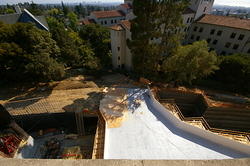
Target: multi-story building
107,18
226,35
122,57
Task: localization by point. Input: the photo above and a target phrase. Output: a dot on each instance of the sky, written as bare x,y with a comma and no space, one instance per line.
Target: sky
244,3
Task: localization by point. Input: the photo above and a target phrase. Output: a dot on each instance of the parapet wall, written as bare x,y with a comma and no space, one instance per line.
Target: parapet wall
203,134
25,162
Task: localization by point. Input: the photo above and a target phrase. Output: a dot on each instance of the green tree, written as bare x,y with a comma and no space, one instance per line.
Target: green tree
72,17
99,39
234,72
190,62
9,11
155,33
75,52
26,51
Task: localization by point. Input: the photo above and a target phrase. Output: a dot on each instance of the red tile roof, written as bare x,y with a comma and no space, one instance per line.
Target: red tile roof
126,24
126,6
88,21
108,14
117,27
226,21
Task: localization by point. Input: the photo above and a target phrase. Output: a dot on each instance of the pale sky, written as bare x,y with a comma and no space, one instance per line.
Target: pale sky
245,3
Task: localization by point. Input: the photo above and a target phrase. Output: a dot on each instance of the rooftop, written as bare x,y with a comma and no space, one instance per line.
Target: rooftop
137,129
126,5
126,24
108,14
225,21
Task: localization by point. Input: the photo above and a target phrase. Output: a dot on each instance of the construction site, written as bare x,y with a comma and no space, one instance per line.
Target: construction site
85,118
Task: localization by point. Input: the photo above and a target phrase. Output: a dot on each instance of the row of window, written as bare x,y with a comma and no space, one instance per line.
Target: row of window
219,33
105,22
190,19
214,42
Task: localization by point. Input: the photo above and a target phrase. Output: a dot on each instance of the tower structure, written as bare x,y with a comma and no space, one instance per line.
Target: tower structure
201,7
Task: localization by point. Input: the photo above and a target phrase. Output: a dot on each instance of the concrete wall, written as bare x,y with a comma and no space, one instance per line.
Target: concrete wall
220,46
118,47
201,7
25,162
202,134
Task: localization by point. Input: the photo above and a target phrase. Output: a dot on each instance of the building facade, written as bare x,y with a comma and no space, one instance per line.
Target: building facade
122,59
226,35
107,18
121,55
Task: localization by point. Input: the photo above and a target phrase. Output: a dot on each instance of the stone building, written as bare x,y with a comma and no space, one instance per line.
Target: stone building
227,35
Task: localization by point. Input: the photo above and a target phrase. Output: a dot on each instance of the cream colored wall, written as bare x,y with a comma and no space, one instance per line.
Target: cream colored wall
199,5
117,40
244,46
129,62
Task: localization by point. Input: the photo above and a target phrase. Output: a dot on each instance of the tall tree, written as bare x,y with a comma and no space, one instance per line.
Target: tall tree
190,62
155,33
27,52
99,39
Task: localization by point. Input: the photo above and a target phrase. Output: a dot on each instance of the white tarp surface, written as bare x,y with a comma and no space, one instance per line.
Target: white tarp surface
143,136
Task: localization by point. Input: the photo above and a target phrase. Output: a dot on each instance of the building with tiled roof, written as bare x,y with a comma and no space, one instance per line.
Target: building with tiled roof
226,35
107,18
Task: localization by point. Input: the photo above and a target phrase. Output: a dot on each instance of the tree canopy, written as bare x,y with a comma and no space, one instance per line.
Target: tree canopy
191,62
234,72
99,39
155,33
26,51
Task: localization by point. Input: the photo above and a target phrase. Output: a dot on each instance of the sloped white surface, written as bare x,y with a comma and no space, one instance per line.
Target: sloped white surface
144,136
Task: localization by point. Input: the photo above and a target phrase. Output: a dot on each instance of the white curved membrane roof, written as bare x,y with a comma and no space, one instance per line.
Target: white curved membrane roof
146,134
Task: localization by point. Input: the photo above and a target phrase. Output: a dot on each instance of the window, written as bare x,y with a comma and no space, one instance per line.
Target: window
102,22
105,22
119,58
188,20
219,33
211,49
115,21
208,40
205,9
198,38
233,35
241,37
185,30
195,29
227,45
112,21
215,42
201,29
192,37
236,46
191,20
118,48
212,31
223,53
248,51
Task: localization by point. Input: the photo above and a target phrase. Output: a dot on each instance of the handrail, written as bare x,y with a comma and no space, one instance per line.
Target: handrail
206,125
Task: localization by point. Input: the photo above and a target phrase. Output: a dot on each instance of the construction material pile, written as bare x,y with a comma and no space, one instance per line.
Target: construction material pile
9,144
51,149
72,153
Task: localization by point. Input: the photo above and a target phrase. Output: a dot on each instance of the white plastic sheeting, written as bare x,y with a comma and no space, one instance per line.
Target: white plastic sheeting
147,135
